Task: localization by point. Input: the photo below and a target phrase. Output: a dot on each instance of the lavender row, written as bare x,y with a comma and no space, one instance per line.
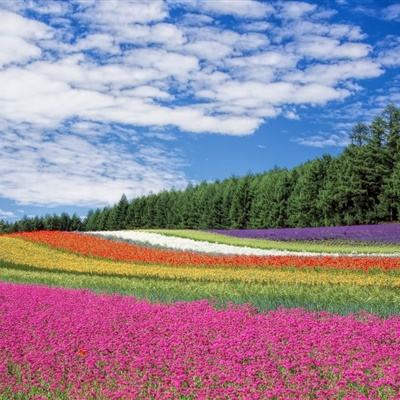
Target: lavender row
384,233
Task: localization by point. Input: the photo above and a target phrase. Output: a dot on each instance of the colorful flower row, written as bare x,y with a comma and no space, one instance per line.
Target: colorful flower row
340,299
116,347
98,247
15,250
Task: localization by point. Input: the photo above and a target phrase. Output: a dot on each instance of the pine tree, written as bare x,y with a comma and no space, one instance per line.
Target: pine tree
303,206
241,204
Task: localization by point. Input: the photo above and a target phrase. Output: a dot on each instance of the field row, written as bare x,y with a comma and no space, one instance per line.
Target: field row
342,299
109,347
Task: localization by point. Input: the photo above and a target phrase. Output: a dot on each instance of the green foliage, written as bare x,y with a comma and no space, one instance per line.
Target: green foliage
62,222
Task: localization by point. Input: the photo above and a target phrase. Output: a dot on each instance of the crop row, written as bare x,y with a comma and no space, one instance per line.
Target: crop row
342,299
116,347
128,252
345,246
20,251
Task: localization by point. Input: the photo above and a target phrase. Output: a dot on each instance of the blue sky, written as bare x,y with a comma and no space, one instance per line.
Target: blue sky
100,98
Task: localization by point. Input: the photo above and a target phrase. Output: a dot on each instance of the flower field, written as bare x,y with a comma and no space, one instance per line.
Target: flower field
113,347
203,316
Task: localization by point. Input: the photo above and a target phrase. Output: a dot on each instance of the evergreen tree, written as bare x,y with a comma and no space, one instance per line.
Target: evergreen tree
239,213
303,206
117,216
389,204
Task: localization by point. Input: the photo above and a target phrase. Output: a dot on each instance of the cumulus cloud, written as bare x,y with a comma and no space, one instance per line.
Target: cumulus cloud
325,48
389,54
18,38
331,74
321,141
83,165
90,90
243,8
392,12
7,214
296,9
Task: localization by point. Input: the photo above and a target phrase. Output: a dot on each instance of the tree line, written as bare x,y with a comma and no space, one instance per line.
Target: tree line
360,186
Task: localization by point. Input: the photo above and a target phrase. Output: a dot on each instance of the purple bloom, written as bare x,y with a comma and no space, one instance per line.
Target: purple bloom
384,233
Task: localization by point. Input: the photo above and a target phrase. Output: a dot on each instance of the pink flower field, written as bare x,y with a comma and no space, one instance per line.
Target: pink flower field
63,344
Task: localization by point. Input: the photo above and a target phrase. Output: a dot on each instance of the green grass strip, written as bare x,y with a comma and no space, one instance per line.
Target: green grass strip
332,298
322,247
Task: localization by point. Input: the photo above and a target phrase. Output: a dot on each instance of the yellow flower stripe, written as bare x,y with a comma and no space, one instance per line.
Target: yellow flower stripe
19,251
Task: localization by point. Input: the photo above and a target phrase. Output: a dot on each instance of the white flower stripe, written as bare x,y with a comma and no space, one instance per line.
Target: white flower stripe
177,243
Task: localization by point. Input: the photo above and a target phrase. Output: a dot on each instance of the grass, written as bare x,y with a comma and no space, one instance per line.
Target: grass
341,299
323,247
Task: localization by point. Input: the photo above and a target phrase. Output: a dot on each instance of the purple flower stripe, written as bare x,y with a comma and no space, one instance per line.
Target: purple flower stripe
384,233
116,347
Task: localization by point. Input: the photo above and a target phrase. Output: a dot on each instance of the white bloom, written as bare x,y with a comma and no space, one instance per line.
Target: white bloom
177,243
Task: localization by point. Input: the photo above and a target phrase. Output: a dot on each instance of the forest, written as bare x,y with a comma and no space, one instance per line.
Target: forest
360,186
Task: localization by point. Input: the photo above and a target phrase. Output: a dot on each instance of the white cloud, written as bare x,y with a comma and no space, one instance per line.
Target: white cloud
256,26
296,9
321,141
290,114
101,41
16,38
6,214
239,8
208,49
331,74
13,24
251,95
239,41
325,48
278,59
82,170
306,27
389,55
392,12
193,19
84,92
15,49
164,62
119,13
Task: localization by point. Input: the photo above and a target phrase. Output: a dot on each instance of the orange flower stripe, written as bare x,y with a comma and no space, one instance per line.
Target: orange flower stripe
121,251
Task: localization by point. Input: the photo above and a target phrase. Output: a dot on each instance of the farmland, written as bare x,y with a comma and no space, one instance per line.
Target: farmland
183,314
